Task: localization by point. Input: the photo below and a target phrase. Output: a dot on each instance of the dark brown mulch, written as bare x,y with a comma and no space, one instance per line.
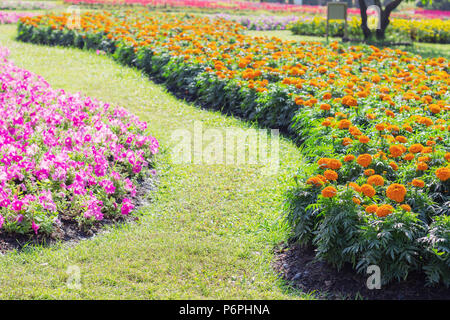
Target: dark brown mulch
297,266
69,230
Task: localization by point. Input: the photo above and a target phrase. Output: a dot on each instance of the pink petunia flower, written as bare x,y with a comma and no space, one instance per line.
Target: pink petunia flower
17,205
35,227
127,206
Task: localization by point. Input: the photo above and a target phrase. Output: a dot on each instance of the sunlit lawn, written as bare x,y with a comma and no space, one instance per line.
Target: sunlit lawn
210,230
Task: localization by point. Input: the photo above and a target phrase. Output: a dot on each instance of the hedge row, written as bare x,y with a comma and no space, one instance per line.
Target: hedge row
425,30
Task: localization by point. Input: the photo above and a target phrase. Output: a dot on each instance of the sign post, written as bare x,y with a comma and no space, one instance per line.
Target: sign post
337,11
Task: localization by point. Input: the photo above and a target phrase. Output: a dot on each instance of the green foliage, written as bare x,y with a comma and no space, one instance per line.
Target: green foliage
391,243
303,215
437,247
337,229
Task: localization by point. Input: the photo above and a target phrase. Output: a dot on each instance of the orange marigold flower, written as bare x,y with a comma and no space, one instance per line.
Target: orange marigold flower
326,123
390,113
426,121
325,106
372,208
323,162
443,173
314,181
322,69
344,124
423,159
384,210
364,139
364,160
408,128
330,175
356,200
397,150
401,139
326,96
349,101
447,156
371,116
368,190
427,150
405,207
376,180
334,164
418,183
349,158
346,141
369,172
393,165
354,131
408,157
329,192
299,101
376,78
393,128
435,108
354,186
380,126
422,166
415,148
396,192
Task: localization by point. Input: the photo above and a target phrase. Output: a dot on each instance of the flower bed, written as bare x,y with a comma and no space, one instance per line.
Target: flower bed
63,156
249,6
7,17
375,122
235,5
424,30
260,22
26,5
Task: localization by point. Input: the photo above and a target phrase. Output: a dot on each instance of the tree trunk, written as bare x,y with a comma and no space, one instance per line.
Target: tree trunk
365,28
384,17
384,22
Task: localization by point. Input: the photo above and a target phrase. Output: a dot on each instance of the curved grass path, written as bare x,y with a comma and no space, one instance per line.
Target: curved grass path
208,234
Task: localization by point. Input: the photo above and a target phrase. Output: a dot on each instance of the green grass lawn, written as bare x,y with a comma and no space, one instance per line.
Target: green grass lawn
209,231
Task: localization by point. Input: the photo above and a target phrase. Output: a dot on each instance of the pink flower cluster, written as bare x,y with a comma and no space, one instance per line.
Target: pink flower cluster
64,154
27,5
8,17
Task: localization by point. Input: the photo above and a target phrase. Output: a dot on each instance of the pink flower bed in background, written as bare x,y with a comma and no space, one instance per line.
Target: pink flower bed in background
27,5
213,4
433,14
255,6
7,17
65,156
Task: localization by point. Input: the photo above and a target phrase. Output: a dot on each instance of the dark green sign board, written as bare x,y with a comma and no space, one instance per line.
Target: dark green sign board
337,11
